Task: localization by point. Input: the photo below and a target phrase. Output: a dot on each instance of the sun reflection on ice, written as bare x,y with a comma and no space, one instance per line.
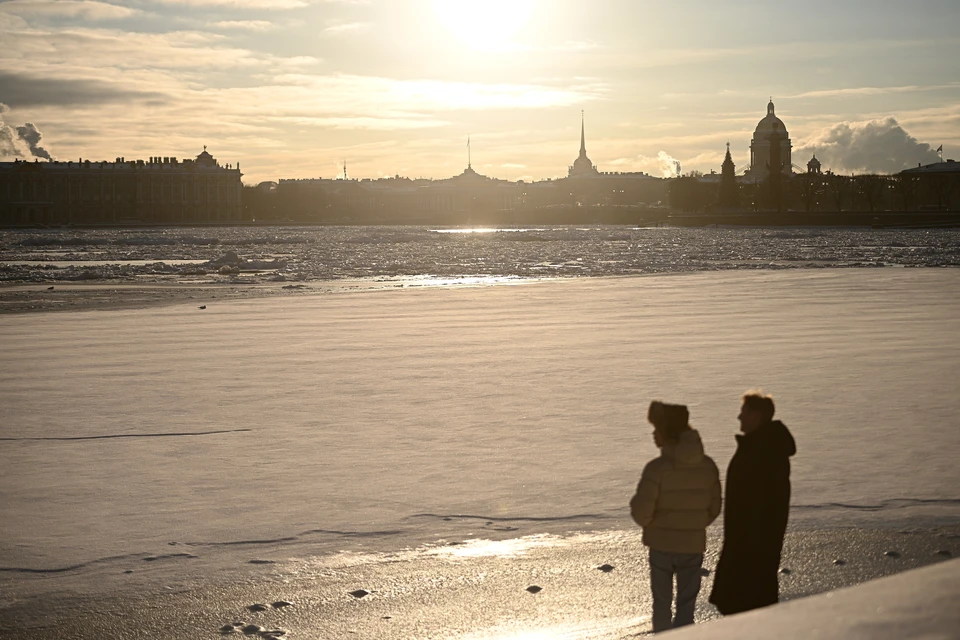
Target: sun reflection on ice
478,547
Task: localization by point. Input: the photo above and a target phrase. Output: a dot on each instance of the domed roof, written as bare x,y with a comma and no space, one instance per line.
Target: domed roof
766,125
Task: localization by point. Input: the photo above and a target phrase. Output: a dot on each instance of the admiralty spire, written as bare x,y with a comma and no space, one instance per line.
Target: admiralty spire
582,165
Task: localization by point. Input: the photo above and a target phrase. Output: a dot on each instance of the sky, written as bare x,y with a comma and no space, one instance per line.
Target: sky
297,88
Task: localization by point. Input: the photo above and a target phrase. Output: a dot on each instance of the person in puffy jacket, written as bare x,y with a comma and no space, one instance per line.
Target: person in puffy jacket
756,510
677,498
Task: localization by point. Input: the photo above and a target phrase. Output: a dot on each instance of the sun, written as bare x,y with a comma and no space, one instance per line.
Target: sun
484,24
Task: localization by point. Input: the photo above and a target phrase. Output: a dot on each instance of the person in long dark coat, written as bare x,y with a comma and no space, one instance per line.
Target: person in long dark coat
756,507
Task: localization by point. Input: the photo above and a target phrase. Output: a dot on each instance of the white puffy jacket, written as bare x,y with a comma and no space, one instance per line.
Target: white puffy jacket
678,497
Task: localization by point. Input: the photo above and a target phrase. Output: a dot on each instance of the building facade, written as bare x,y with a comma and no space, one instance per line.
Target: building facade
160,190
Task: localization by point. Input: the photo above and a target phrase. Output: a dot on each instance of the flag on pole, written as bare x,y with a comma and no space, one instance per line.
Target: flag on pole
940,148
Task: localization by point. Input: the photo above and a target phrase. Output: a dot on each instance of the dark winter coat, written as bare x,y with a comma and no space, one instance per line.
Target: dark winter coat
755,513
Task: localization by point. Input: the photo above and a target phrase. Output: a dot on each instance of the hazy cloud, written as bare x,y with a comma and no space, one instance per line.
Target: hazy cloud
349,27
876,146
85,9
872,91
132,56
378,96
373,123
27,91
246,25
240,4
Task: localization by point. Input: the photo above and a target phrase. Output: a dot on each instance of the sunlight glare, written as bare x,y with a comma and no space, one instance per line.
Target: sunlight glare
479,547
487,24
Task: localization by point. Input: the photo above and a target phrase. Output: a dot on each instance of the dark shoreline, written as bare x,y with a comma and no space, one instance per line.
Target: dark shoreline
590,216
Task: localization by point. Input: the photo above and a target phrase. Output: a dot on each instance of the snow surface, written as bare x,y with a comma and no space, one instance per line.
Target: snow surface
919,604
365,420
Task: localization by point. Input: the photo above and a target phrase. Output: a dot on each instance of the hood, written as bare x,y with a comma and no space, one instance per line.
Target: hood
774,438
688,450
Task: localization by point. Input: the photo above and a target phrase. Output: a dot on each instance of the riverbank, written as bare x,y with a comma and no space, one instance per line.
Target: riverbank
468,589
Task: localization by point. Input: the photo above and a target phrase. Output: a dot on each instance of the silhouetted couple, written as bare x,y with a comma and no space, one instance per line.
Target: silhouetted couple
679,496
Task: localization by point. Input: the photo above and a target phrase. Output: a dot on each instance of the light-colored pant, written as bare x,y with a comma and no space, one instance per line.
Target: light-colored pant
663,566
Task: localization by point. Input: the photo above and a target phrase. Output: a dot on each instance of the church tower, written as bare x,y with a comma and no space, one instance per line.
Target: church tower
582,165
728,182
814,165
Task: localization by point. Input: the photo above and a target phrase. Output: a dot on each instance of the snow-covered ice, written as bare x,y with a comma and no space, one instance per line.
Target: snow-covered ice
295,427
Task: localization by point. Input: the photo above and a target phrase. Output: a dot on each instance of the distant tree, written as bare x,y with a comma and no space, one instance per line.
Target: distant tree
838,188
808,188
939,188
301,201
905,188
689,194
258,202
870,188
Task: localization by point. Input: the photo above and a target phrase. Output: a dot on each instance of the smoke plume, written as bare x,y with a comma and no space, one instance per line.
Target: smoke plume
876,146
21,142
669,166
31,135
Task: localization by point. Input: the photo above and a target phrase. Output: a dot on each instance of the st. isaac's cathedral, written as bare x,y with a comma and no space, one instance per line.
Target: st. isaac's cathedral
769,130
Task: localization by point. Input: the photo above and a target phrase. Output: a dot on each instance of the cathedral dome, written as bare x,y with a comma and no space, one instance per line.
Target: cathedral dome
770,129
765,126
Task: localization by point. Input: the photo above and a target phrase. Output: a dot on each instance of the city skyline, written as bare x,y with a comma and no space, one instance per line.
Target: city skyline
293,88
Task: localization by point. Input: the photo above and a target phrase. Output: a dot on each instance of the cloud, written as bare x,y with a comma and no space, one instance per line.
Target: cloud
246,25
373,123
22,142
349,27
872,91
875,146
241,4
132,58
21,90
385,97
85,9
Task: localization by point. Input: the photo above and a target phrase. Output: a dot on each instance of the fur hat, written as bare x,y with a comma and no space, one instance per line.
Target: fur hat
670,419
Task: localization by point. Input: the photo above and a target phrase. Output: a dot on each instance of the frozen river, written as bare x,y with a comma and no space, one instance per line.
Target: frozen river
167,441
305,254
